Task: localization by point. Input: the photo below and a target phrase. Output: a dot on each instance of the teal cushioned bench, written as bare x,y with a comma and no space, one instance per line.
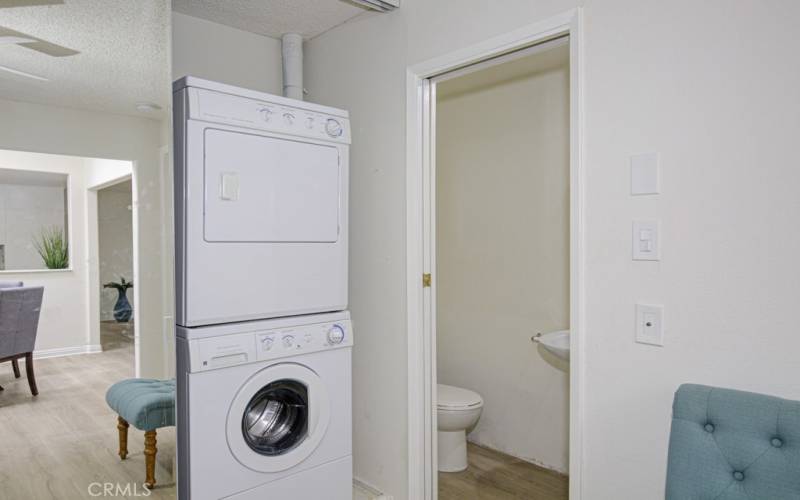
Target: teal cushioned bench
733,445
148,404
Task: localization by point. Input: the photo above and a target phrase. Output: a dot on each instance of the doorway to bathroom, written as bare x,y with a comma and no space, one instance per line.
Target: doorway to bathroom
495,232
500,201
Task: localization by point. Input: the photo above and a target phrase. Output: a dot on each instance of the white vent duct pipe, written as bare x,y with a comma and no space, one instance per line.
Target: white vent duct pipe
292,49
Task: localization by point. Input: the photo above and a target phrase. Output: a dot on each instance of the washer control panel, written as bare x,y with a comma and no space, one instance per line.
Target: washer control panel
295,340
242,348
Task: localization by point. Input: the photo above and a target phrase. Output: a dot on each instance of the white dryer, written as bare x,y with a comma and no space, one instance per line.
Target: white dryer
261,185
266,410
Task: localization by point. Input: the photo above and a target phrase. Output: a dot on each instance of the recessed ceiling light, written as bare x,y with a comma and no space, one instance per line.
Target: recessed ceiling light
13,39
23,73
146,107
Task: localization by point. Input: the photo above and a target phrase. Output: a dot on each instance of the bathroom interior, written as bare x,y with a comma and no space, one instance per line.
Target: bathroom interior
502,229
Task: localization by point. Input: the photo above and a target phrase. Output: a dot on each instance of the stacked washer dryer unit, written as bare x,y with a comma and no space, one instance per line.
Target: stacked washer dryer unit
263,337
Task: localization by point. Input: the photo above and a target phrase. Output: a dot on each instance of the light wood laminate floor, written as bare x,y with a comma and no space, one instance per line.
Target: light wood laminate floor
493,475
54,446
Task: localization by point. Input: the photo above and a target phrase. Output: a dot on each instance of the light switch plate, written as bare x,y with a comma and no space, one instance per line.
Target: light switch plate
650,324
645,174
646,242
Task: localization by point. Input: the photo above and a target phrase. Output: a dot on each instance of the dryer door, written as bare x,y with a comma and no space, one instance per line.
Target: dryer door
262,189
260,224
278,418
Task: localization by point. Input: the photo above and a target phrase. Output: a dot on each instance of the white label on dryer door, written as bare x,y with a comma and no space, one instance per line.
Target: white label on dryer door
285,190
229,186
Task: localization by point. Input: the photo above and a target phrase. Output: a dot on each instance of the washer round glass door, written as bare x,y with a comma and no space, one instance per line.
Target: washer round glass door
278,418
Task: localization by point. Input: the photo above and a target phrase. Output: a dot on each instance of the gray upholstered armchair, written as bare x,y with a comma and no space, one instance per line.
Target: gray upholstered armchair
733,445
19,319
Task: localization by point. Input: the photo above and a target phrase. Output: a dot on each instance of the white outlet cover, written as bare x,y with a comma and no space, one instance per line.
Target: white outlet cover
650,324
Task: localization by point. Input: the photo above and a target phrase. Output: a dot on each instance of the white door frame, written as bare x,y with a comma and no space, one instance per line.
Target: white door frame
420,185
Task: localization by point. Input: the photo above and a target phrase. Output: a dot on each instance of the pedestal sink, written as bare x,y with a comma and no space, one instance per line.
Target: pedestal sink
556,343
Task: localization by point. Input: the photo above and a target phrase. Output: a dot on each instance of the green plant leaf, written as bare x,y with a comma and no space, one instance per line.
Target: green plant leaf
51,245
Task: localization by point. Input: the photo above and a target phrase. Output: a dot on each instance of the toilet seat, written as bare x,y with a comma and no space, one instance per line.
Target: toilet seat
456,398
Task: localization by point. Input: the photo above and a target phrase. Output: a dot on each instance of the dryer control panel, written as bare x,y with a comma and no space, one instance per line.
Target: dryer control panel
297,118
263,345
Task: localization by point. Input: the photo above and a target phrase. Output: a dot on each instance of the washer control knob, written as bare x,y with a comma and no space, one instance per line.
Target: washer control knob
266,114
288,118
288,340
336,335
266,343
333,127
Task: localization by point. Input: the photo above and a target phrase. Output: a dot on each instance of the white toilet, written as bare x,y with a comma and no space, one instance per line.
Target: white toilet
457,410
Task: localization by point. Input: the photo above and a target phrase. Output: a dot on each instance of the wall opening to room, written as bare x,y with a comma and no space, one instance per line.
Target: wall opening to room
115,267
67,224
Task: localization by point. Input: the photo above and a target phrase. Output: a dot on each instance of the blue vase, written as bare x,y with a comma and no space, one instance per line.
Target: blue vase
122,309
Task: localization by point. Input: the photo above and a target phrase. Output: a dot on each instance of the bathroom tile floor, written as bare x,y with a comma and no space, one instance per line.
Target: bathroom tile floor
493,475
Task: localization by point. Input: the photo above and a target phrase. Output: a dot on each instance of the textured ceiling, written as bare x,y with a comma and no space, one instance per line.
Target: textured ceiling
123,55
273,17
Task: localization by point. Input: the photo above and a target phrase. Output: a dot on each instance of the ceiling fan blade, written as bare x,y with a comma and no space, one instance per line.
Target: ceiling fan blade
27,3
50,49
37,44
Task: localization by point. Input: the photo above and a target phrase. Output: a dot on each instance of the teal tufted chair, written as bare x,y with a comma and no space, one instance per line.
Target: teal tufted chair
733,445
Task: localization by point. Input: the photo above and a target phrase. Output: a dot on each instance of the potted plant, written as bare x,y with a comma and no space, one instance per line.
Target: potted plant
122,309
51,245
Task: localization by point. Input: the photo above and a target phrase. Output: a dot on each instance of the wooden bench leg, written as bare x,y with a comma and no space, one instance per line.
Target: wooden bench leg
122,426
29,373
15,366
150,458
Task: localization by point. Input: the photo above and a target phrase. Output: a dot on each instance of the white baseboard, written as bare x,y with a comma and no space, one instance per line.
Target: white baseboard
67,351
369,490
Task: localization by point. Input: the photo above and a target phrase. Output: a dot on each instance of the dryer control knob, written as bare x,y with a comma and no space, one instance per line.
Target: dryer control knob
333,128
336,334
266,114
288,340
266,343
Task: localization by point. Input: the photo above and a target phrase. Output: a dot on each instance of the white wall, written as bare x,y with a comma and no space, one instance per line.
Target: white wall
220,53
115,242
101,172
502,265
711,86
63,319
26,210
50,129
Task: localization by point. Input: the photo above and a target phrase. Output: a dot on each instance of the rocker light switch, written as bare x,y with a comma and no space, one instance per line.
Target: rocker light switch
229,186
650,324
646,244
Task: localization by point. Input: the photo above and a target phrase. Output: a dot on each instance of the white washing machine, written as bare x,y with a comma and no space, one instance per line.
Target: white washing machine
265,410
261,186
